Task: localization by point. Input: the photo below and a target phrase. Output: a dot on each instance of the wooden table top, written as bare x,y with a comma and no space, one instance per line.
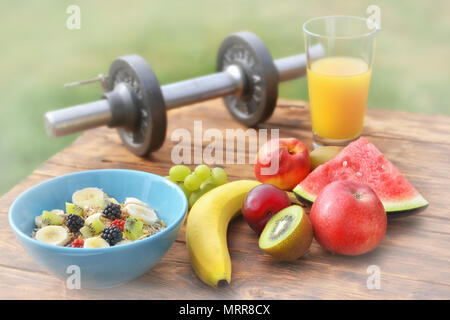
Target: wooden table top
414,257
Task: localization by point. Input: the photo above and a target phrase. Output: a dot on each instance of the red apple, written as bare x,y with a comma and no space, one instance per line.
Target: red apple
282,162
261,203
348,218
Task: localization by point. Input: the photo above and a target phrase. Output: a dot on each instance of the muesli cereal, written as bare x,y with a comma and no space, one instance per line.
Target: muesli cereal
95,220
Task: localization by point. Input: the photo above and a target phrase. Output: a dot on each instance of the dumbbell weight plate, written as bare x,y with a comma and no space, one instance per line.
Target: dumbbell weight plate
257,102
149,130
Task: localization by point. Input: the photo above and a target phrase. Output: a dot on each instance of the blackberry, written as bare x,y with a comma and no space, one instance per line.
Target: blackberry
112,235
74,222
112,211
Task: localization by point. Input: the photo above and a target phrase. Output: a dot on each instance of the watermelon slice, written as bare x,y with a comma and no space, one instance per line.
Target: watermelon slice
361,161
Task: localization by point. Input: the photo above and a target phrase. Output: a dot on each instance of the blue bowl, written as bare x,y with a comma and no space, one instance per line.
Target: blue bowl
100,267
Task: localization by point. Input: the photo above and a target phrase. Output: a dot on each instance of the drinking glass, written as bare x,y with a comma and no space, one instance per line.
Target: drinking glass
338,82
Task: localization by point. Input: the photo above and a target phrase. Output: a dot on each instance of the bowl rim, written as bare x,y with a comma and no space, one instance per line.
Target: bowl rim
63,249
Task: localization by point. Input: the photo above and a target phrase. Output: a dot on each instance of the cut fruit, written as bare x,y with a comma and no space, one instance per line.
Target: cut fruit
51,218
89,198
112,200
93,228
124,241
38,222
72,208
92,218
287,235
59,212
145,214
54,235
135,201
95,242
362,162
133,228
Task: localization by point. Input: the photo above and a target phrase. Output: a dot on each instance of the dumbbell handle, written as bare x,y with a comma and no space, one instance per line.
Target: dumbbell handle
98,113
226,82
203,88
294,67
77,118
230,81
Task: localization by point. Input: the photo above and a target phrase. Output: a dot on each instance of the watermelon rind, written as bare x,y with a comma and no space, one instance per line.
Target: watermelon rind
405,204
389,206
361,161
305,195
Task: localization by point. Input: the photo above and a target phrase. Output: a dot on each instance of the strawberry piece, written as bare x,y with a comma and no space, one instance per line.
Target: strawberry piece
77,243
119,223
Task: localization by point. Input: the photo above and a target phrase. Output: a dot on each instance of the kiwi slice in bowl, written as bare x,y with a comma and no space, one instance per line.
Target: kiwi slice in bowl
92,228
133,228
287,235
49,218
72,208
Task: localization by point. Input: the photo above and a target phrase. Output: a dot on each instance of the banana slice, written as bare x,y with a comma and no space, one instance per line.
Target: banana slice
112,200
38,221
95,242
89,198
124,241
92,218
41,222
136,202
55,235
59,212
146,215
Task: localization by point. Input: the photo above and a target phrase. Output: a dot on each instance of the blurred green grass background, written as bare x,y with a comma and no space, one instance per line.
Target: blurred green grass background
180,40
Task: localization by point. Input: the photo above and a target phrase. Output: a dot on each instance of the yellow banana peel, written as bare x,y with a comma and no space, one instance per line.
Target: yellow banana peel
206,230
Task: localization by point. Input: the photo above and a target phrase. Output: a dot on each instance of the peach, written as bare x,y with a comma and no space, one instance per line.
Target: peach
282,162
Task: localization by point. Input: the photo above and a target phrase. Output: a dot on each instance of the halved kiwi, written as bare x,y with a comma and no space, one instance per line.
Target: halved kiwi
93,228
72,208
51,218
287,235
133,228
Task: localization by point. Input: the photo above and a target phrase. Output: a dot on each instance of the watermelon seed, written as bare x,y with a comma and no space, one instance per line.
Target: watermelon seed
344,163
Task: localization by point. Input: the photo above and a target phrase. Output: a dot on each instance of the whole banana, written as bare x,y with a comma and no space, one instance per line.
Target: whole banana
206,230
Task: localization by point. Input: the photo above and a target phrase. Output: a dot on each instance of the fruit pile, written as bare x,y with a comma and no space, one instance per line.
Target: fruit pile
284,229
197,183
363,163
351,188
94,220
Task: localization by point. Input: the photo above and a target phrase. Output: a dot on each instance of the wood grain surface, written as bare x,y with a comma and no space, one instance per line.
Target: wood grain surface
414,257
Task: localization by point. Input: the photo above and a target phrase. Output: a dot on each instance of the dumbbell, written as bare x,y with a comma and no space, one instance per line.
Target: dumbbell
134,102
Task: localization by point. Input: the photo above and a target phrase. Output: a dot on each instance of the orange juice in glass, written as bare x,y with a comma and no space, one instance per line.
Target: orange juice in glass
338,83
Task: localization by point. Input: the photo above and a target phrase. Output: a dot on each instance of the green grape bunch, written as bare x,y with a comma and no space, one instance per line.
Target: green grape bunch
197,183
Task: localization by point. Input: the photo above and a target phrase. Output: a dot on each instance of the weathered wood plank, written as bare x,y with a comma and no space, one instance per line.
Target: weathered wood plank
413,257
172,278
